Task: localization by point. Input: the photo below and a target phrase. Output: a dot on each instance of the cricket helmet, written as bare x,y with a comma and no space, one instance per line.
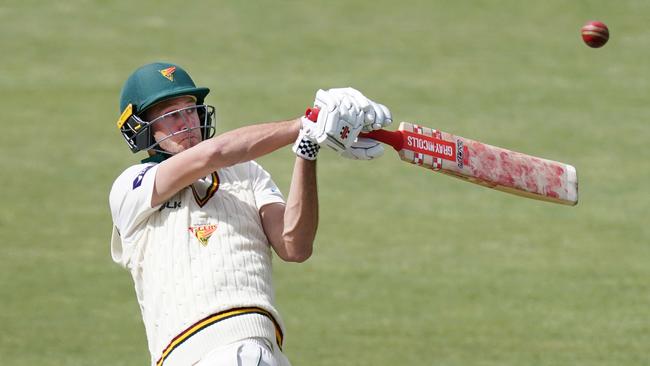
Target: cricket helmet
151,84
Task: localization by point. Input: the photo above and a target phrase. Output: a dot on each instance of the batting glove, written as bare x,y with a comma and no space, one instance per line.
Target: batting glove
338,122
376,116
364,149
305,146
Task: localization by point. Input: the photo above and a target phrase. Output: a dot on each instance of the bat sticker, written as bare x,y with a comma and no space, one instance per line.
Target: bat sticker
459,153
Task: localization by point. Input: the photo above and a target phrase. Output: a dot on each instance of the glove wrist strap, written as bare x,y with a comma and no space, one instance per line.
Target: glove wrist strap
304,147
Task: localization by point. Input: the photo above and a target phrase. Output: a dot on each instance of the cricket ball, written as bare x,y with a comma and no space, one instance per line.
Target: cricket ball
595,34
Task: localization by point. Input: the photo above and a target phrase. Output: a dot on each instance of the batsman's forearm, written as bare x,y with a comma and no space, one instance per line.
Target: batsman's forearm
301,212
251,142
243,144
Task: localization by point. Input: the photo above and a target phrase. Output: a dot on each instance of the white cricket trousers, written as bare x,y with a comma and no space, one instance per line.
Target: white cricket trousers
247,352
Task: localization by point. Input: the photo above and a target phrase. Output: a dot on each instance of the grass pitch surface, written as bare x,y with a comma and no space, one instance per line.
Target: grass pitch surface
410,267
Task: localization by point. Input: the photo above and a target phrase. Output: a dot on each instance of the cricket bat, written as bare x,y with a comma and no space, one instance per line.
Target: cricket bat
480,163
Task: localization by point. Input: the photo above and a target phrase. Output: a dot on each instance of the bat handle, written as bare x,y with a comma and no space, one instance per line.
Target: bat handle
312,113
392,138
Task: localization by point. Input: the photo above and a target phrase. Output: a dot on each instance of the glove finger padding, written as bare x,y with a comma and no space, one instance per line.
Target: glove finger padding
364,149
359,99
381,117
377,115
388,117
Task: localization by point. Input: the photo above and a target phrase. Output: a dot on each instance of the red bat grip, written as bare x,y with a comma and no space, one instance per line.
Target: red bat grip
312,113
392,138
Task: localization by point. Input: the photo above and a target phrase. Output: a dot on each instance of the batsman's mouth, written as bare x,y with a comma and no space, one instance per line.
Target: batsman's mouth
186,135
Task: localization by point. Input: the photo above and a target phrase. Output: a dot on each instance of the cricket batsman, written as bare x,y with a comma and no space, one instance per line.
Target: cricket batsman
195,222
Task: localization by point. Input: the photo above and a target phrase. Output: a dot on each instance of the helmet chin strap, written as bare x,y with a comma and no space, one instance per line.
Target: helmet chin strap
158,157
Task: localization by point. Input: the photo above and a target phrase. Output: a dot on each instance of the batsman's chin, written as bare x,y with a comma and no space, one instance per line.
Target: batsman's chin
175,147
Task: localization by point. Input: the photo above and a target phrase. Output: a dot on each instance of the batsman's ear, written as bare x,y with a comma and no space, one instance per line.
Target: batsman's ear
134,130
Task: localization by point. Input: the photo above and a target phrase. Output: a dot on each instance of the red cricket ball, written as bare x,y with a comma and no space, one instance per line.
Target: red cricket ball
595,34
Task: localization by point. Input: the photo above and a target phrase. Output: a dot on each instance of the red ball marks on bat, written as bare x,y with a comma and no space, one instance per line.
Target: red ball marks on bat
595,34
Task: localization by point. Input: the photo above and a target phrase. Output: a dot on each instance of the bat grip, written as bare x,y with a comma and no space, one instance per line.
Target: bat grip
392,138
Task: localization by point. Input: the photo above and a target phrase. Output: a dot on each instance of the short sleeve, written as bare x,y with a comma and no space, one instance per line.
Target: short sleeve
265,190
130,202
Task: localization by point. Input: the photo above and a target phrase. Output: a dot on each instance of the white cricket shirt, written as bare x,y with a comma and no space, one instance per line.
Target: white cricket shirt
202,252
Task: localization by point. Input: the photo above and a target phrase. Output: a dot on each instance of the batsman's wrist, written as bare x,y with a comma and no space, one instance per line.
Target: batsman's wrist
305,147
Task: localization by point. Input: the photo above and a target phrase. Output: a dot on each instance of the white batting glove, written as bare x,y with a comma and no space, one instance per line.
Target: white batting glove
306,146
314,131
364,149
376,116
339,121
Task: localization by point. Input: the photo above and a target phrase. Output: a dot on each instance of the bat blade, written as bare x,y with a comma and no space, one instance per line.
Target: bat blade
483,164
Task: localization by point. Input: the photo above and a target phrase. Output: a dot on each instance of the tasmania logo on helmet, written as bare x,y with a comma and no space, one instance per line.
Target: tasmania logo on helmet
168,73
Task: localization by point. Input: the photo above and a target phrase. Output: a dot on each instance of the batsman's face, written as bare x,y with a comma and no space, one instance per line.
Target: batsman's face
175,124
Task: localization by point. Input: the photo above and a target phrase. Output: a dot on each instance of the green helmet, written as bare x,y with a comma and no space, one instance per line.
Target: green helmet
148,85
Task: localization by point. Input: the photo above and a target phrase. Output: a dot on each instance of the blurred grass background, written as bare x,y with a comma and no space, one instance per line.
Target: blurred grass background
409,267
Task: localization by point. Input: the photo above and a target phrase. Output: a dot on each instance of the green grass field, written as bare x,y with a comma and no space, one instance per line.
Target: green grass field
410,267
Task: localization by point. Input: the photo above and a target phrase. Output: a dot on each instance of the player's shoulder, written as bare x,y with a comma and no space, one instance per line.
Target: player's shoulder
135,171
244,169
254,167
132,176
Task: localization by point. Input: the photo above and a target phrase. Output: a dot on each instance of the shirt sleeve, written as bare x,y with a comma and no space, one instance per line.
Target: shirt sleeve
265,190
130,202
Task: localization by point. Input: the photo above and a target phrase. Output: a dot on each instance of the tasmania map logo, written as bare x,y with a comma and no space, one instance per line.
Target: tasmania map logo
168,73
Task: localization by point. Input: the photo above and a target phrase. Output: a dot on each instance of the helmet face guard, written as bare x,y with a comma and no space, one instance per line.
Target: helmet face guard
139,135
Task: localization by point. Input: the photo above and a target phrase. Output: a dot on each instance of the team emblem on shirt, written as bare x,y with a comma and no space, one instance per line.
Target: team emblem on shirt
203,232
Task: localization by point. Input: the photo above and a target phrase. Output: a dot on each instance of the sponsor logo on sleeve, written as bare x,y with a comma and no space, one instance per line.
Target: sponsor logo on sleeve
138,179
